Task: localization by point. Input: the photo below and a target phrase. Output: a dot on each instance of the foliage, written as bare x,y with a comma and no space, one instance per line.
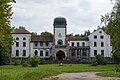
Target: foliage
10,72
117,68
17,62
94,62
6,39
46,33
112,24
25,65
100,60
34,61
116,57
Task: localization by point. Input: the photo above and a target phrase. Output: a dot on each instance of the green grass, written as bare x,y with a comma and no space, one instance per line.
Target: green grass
109,73
10,72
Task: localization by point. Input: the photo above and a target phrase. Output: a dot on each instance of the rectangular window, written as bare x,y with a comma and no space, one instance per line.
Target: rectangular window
102,44
95,52
24,52
78,44
17,52
102,52
95,36
24,44
72,43
101,37
95,44
17,44
36,44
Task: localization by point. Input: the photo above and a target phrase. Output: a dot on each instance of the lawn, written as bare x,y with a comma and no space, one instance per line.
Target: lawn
10,72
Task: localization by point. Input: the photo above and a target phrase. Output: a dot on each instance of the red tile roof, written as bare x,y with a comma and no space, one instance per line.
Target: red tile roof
40,38
21,30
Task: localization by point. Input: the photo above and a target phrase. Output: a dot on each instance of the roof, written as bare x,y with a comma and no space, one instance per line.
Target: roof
40,38
21,30
60,21
73,38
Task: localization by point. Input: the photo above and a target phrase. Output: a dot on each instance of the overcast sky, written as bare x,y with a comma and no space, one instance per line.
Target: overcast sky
38,15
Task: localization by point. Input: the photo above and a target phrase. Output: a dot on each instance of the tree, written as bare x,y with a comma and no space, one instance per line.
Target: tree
46,33
112,24
6,39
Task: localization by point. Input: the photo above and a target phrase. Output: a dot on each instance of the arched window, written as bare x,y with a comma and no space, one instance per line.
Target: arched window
36,52
83,43
60,42
41,53
46,53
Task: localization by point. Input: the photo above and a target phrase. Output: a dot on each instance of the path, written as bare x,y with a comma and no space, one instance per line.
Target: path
80,76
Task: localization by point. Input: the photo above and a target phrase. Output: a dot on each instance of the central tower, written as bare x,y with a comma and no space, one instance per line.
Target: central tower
60,30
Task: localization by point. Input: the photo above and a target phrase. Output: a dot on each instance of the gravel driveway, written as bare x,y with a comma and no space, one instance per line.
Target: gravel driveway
80,76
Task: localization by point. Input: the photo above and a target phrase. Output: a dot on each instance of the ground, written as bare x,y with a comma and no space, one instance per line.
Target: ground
10,72
80,76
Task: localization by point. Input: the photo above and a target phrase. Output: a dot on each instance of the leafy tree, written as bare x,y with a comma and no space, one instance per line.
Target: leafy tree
34,61
87,33
46,33
5,29
100,60
112,24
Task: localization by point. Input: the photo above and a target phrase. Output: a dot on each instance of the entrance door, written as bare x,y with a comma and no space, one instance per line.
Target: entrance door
60,55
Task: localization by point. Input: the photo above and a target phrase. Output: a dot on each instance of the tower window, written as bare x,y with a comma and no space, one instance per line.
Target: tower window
60,42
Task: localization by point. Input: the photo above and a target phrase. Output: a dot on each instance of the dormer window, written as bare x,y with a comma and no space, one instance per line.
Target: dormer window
36,44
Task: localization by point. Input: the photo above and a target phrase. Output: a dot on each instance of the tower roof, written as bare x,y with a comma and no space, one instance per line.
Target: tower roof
60,21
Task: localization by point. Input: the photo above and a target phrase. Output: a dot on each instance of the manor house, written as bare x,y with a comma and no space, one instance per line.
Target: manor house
60,46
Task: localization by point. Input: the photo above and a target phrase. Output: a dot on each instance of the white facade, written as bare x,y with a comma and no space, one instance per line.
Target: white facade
21,46
60,35
100,43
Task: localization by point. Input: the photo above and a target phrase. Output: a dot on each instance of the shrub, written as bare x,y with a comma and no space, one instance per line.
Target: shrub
34,61
117,68
100,60
94,62
17,62
25,65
